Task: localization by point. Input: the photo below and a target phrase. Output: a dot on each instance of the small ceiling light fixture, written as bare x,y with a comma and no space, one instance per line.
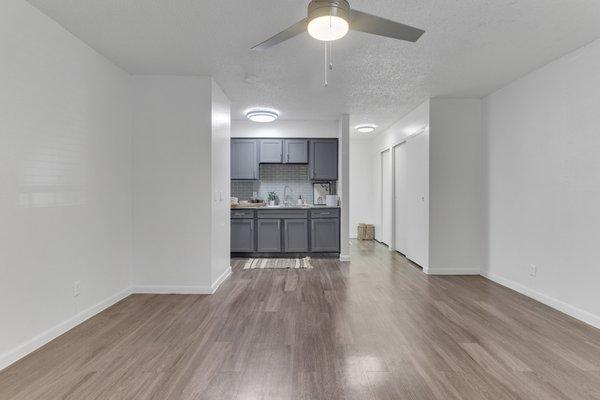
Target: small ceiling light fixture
328,20
262,115
367,128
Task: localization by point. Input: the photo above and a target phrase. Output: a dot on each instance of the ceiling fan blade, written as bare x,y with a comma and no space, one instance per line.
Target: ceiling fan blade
289,33
363,22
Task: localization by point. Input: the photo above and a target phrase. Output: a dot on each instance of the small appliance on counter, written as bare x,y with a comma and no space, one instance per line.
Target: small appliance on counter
320,192
332,200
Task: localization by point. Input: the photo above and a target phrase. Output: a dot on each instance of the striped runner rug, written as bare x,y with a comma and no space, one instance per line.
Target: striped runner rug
278,263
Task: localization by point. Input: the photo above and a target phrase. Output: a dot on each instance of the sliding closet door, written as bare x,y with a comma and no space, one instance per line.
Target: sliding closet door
386,197
417,152
376,179
400,198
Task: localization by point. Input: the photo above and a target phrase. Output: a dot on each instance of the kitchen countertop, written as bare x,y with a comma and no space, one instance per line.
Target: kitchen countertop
295,207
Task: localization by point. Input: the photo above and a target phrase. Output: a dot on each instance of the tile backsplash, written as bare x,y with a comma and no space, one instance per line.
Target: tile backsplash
274,178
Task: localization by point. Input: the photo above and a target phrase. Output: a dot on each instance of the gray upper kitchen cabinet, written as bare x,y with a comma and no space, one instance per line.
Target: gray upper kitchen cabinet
244,159
295,235
323,159
269,236
295,151
242,235
325,235
271,151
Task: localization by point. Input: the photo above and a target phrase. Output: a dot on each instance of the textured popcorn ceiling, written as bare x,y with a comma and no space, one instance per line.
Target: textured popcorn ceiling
471,48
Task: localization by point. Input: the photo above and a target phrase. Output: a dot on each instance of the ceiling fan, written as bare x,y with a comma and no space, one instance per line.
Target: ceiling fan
330,20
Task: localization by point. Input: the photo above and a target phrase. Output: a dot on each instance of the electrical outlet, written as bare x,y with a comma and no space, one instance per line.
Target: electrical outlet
532,270
76,288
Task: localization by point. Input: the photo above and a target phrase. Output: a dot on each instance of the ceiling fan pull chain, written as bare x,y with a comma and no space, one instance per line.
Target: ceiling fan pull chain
326,64
330,44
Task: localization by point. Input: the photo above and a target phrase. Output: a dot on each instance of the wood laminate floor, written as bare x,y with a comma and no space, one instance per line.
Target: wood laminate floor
377,328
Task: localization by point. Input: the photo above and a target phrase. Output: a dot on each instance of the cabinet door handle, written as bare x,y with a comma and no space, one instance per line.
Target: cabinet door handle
288,157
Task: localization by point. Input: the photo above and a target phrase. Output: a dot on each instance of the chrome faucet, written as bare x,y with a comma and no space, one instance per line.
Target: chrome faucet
285,195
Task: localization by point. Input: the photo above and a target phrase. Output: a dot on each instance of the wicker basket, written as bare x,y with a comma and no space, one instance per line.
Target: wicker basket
366,232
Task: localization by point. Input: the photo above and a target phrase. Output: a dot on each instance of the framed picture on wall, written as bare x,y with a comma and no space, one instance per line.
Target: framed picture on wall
320,192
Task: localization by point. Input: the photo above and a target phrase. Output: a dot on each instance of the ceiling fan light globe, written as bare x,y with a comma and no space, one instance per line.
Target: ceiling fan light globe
328,28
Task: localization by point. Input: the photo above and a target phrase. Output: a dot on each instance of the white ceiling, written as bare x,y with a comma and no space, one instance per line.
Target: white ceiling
471,48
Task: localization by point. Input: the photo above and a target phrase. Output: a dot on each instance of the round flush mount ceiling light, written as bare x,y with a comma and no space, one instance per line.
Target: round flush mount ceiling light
262,115
367,128
328,19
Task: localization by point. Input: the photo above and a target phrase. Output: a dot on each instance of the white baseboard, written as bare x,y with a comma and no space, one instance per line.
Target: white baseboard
24,349
452,271
151,289
344,257
180,289
577,313
226,274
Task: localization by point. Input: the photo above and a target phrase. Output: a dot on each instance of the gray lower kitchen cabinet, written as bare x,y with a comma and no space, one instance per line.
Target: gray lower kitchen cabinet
325,235
295,235
244,159
242,235
295,151
323,159
271,151
285,230
269,236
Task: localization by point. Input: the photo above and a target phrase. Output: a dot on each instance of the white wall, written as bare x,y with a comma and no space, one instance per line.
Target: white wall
180,184
220,181
362,187
171,182
455,187
65,173
285,128
414,122
543,184
344,186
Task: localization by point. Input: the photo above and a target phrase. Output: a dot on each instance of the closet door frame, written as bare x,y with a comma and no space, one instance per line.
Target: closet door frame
387,238
395,211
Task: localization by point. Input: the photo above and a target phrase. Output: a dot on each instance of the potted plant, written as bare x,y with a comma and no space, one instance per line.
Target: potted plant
272,197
